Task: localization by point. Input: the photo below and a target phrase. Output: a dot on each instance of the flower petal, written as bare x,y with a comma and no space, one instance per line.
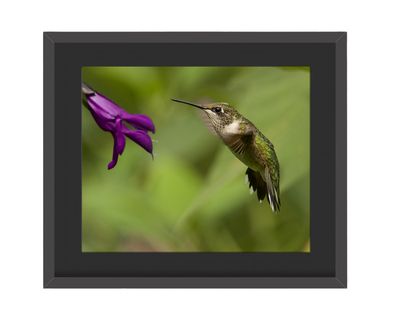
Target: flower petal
119,143
103,106
103,123
140,121
141,138
119,138
114,160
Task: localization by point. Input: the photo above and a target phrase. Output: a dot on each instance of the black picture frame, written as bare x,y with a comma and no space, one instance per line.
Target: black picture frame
64,263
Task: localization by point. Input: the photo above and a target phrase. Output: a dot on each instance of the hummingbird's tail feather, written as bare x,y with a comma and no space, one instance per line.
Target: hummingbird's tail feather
257,183
272,191
264,189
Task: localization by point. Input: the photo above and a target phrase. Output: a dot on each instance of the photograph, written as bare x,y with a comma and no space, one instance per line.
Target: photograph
196,159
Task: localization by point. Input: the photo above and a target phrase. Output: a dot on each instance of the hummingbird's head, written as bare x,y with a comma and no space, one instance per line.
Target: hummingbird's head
217,115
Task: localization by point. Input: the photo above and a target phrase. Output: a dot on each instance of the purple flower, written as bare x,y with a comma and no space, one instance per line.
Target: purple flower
112,118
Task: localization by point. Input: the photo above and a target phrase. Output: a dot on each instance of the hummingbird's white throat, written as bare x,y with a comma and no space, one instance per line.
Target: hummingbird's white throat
232,128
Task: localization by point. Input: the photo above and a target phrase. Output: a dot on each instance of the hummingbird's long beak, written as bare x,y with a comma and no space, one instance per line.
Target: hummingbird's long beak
189,103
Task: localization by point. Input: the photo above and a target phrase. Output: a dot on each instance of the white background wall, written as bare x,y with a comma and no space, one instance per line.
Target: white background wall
374,120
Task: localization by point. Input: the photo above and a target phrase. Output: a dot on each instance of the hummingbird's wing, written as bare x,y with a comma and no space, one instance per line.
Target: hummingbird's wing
257,183
208,122
238,143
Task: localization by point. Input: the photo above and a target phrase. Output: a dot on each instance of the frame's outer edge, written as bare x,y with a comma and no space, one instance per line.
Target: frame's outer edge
48,159
50,280
341,159
195,282
194,37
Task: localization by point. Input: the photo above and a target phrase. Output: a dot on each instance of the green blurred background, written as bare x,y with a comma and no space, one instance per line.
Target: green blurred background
193,196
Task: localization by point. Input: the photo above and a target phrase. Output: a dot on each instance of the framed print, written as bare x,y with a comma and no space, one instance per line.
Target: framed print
195,160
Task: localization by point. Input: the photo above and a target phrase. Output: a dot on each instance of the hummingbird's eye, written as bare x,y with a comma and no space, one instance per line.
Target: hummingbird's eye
216,109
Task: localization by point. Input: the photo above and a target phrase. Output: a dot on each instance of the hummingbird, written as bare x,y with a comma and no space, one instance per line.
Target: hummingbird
248,144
